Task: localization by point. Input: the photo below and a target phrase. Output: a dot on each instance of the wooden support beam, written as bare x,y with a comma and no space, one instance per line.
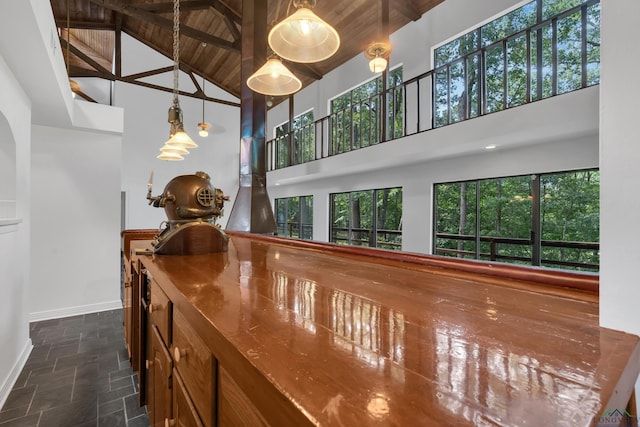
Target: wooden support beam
126,9
80,54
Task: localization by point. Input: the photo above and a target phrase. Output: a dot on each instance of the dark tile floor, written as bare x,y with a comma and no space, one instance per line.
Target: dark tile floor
78,375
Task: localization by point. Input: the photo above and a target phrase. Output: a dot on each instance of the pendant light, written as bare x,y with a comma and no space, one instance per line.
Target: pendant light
303,36
274,79
204,126
178,137
378,52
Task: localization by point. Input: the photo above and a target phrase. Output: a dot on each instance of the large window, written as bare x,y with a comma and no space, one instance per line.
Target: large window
541,49
297,143
550,219
368,218
357,116
294,217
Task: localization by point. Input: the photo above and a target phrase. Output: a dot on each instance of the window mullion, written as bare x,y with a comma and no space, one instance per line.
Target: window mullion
536,240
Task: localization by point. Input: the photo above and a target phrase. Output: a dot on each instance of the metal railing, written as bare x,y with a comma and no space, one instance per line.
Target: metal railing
418,105
381,238
495,254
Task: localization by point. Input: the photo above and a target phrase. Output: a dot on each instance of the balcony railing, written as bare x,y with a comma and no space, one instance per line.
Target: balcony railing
486,80
496,254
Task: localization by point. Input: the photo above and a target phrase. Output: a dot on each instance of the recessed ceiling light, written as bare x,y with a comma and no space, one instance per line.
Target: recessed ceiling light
490,147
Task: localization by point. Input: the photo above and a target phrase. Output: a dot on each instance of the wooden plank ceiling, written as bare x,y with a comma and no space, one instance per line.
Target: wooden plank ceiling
209,34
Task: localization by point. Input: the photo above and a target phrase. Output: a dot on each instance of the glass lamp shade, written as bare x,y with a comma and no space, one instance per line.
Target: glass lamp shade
204,129
166,148
273,78
304,37
166,155
180,138
377,64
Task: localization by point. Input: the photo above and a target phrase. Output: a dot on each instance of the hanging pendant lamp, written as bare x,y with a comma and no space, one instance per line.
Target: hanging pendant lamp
378,52
178,137
203,126
303,36
274,79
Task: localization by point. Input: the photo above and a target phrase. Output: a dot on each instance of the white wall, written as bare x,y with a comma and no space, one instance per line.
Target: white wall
146,130
619,160
75,240
15,130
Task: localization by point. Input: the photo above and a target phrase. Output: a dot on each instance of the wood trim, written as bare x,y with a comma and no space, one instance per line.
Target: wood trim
566,279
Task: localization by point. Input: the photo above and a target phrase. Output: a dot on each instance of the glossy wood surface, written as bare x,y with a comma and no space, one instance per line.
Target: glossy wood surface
313,337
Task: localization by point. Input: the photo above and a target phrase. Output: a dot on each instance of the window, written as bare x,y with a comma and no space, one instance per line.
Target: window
294,217
550,220
541,49
367,218
357,118
296,145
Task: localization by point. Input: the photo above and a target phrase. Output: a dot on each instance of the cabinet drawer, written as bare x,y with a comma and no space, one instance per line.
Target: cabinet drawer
160,312
196,366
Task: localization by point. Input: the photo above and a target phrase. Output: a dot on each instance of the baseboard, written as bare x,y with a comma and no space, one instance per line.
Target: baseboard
74,311
15,372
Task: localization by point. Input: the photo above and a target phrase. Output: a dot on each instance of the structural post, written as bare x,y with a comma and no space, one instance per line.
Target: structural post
251,210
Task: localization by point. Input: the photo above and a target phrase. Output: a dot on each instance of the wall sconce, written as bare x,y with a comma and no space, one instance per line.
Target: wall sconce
273,78
303,36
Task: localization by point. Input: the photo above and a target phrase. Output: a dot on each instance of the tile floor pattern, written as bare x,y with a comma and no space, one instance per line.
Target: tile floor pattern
78,375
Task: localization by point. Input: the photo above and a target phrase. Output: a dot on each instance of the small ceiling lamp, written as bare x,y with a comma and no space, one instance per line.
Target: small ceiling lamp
303,36
377,54
204,126
178,137
274,79
204,129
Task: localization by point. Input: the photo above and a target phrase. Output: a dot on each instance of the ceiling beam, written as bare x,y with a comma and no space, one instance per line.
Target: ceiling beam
198,94
407,8
85,25
129,10
80,54
168,55
167,7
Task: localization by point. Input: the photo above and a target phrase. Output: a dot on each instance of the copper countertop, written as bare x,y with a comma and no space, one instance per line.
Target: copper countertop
352,340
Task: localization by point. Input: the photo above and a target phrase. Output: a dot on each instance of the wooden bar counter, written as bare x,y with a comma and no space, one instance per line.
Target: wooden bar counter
287,333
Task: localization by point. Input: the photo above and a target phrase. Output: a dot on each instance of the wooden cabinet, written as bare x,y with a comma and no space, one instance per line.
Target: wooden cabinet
177,374
288,333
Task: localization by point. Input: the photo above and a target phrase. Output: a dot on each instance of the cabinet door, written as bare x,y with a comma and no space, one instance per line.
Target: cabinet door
159,381
197,367
184,413
127,309
235,408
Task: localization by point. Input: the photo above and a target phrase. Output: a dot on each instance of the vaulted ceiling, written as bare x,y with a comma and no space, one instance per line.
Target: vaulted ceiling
210,32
